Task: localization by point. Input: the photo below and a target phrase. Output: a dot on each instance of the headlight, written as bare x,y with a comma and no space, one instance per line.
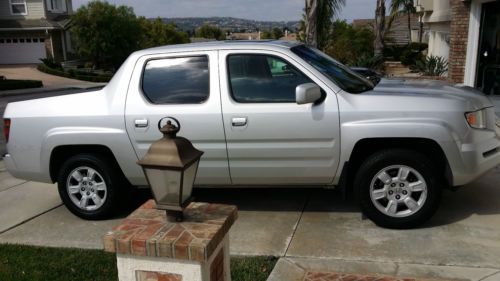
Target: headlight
476,119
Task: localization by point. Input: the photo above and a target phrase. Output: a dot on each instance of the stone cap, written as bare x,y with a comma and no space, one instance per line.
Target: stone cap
146,232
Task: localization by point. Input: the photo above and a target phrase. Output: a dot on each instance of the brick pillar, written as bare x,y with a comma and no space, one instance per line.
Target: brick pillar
459,33
149,248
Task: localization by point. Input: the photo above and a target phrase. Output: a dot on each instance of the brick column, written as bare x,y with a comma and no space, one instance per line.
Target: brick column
459,33
149,248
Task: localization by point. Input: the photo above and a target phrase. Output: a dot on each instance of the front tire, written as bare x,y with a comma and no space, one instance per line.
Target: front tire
398,188
88,186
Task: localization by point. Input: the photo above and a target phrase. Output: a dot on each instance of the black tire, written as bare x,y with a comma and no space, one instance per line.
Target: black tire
385,159
107,172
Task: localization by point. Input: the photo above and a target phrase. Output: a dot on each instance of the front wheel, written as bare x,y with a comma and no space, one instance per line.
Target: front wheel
88,186
398,188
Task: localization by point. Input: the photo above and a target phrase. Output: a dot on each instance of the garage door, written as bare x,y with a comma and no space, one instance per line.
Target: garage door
21,50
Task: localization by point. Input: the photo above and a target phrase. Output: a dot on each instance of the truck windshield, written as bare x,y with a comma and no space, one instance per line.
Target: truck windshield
341,75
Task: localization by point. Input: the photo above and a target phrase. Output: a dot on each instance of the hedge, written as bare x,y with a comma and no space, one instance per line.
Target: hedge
19,84
92,77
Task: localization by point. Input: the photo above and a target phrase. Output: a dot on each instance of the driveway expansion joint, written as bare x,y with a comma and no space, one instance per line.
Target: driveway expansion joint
489,275
297,223
31,218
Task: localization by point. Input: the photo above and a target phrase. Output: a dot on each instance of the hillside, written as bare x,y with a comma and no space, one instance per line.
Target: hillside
231,24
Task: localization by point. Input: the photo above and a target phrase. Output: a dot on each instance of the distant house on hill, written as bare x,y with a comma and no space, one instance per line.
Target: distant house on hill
398,32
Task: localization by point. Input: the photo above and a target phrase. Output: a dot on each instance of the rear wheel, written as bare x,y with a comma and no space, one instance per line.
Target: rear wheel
398,188
88,186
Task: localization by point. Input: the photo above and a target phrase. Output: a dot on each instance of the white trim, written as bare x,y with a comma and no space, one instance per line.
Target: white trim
27,28
473,41
61,9
18,14
63,39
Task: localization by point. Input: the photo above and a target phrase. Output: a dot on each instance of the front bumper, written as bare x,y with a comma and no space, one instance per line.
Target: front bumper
476,158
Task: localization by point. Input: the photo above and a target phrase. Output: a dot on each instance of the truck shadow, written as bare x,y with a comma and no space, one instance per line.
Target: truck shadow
480,198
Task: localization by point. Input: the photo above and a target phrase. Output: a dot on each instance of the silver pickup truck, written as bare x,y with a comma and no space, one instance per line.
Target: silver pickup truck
266,113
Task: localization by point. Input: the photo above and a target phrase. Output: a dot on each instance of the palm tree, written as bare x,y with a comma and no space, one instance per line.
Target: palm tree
318,19
378,43
399,7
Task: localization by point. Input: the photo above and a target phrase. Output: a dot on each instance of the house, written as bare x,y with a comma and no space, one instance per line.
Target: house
467,33
34,29
397,33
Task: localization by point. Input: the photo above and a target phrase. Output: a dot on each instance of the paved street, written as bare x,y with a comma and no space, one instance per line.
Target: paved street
308,228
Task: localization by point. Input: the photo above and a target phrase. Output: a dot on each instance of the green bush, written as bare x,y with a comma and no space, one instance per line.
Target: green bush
372,62
19,84
433,66
50,62
347,43
408,54
80,75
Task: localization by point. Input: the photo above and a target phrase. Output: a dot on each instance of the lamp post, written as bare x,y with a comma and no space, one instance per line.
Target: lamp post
170,166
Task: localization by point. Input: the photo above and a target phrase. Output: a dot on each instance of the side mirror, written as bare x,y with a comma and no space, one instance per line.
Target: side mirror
307,93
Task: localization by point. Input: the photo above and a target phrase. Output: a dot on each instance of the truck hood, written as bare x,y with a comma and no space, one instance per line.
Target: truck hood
430,88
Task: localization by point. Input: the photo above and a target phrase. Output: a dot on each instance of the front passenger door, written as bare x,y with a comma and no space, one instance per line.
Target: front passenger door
270,138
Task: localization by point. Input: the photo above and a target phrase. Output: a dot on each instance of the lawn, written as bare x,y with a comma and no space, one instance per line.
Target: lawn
23,263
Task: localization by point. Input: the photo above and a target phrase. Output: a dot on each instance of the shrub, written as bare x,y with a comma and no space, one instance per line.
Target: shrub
8,84
80,75
50,62
408,54
433,66
372,62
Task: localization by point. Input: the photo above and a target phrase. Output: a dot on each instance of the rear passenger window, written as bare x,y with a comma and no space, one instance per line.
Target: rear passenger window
177,80
263,79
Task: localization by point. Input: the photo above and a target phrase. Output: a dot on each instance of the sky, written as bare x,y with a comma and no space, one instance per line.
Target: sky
270,10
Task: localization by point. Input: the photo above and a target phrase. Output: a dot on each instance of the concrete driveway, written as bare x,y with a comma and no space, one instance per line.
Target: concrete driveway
31,73
308,228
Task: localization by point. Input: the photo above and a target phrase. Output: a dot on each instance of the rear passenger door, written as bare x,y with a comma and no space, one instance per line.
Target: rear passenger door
272,140
184,86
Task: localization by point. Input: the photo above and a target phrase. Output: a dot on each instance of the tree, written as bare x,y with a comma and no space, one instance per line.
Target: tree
400,7
157,33
379,28
318,19
210,32
276,33
105,33
348,43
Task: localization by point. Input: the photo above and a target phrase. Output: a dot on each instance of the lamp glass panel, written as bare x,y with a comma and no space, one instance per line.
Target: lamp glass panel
166,185
189,177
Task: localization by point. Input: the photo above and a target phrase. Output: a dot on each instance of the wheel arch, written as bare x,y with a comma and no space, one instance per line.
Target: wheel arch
63,152
368,146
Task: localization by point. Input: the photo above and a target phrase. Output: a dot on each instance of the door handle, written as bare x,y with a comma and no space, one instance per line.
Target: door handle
239,121
141,123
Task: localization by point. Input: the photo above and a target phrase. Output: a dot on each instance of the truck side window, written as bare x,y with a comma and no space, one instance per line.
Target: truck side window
177,80
258,78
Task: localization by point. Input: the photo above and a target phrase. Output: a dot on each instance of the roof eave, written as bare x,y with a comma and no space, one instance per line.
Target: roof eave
28,28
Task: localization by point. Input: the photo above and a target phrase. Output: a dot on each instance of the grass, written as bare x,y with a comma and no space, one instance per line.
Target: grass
9,84
30,263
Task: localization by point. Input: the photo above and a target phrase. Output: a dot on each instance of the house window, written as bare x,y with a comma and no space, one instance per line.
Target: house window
18,7
57,5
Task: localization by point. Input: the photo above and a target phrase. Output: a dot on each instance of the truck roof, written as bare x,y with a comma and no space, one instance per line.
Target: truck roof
219,45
